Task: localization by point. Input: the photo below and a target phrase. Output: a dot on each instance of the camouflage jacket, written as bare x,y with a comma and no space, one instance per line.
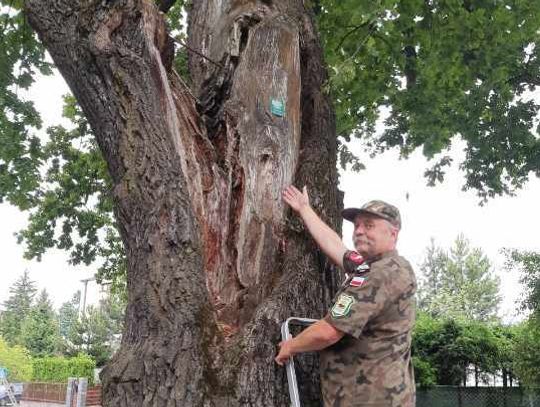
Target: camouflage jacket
371,365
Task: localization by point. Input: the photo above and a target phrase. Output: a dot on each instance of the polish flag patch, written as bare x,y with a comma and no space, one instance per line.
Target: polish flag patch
358,281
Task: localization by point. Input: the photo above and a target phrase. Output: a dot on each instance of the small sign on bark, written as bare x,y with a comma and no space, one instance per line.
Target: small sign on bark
277,107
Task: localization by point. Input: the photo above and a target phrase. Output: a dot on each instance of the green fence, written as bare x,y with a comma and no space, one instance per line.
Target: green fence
449,396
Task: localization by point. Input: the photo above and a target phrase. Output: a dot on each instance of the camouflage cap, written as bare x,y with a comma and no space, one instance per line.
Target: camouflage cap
378,208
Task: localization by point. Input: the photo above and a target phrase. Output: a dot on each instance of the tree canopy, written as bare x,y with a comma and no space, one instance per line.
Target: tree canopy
435,70
432,70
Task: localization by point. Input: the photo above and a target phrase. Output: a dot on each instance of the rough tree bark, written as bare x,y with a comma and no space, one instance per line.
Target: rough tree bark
215,261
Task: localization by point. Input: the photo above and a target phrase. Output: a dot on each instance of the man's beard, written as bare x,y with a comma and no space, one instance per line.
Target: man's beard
366,243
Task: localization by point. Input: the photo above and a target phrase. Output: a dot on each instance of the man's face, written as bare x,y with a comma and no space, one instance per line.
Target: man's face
373,235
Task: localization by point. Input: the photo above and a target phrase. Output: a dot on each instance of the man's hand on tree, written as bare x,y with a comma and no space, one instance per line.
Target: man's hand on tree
295,199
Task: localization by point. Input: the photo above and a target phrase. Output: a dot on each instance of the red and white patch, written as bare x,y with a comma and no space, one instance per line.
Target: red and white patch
356,258
358,281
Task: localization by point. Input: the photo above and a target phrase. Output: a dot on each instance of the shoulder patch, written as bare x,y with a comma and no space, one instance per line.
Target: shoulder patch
343,305
354,263
355,257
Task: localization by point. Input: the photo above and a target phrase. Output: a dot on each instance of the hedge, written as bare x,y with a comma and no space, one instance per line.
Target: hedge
17,361
59,369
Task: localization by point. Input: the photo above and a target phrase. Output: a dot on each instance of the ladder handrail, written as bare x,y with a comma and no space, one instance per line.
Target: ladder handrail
7,385
291,374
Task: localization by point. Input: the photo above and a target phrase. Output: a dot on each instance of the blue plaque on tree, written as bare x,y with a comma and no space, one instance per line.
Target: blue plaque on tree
277,107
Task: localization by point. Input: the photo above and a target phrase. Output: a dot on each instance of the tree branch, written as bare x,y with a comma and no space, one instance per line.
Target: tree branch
356,28
183,44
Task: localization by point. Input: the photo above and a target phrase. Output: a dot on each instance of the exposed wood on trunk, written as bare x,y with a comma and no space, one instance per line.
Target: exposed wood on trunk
258,152
305,282
215,262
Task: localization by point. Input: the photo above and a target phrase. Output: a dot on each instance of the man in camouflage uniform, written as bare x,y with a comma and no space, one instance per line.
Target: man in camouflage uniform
365,338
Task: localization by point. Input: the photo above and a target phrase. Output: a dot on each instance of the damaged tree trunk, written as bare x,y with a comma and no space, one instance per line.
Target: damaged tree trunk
215,261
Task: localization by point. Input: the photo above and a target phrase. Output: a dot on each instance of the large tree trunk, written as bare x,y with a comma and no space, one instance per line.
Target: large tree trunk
215,260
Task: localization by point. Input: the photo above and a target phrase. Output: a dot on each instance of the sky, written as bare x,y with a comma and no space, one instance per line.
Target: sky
445,211
440,213
53,273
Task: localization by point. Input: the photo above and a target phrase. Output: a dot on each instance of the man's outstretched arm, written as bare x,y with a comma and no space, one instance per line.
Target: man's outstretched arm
328,240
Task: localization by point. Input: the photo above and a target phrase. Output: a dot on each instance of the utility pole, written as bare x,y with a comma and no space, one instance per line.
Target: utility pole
85,282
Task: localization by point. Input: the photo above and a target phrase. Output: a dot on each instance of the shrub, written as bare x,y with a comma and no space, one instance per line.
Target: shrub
17,361
59,369
424,374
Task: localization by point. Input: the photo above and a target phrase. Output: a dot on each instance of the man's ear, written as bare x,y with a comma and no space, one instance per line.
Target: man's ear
395,232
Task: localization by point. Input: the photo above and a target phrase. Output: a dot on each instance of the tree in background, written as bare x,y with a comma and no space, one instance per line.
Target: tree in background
68,314
114,307
193,166
39,330
444,349
506,336
527,264
426,372
17,308
459,283
527,353
98,332
435,344
89,335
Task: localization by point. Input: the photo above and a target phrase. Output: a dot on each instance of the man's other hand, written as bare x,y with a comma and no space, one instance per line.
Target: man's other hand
285,352
296,199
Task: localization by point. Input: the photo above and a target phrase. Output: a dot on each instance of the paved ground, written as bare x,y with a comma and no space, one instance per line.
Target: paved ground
41,404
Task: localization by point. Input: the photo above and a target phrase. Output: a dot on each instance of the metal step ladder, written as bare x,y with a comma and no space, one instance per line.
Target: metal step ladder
9,390
291,374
